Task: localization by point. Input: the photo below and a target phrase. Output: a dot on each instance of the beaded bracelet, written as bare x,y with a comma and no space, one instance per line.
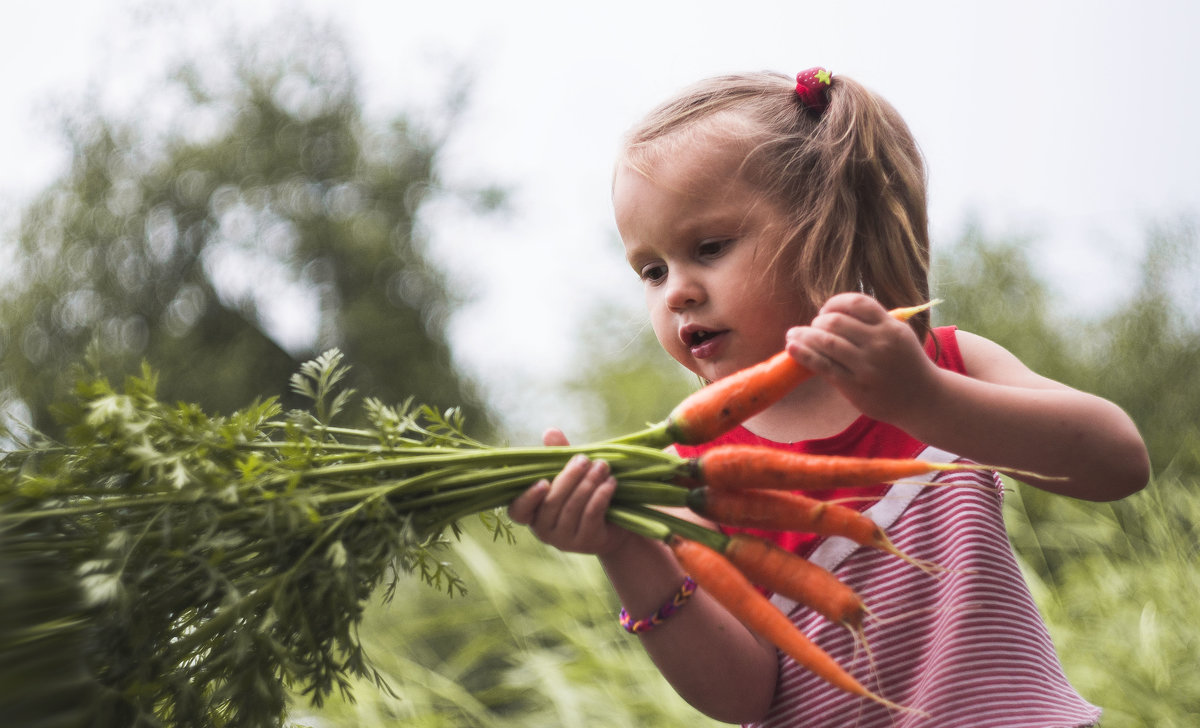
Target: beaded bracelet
666,610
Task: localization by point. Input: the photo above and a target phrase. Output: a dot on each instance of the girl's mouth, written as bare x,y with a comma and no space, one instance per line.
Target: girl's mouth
702,342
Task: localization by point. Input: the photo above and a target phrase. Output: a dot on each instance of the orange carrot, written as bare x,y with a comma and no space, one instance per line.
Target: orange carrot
722,580
768,468
775,510
796,578
733,399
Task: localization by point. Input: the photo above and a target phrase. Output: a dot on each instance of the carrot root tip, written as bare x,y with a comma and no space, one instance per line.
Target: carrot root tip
897,706
929,567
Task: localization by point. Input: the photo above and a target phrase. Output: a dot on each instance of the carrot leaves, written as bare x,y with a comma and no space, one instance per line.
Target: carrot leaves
217,561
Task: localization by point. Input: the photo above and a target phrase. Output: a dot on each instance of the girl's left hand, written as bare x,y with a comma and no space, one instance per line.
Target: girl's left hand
569,511
873,360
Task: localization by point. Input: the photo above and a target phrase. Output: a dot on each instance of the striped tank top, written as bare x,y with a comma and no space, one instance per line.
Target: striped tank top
966,647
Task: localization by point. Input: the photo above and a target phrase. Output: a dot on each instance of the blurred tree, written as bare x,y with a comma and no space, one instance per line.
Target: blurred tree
268,198
1145,354
989,287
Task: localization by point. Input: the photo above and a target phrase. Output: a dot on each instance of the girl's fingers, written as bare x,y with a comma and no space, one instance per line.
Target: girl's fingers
856,305
815,350
844,330
569,512
527,507
578,501
569,493
565,483
554,438
524,506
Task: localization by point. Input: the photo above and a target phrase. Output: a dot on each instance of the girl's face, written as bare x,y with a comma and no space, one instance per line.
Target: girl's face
700,238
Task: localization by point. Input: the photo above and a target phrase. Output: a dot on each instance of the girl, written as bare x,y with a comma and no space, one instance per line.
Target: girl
749,205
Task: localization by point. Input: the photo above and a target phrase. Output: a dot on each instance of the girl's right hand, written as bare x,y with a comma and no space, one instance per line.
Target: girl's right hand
569,512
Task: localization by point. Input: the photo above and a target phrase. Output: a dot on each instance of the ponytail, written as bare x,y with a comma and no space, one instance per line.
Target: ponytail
865,226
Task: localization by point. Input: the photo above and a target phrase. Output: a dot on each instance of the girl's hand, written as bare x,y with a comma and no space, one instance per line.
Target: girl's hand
873,360
569,512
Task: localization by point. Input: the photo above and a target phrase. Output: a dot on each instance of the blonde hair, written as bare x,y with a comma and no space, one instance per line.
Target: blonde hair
851,179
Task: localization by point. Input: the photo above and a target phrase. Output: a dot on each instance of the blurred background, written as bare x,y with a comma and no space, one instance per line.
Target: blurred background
227,190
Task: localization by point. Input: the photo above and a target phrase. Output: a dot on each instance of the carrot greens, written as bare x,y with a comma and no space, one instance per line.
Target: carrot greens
171,567
220,560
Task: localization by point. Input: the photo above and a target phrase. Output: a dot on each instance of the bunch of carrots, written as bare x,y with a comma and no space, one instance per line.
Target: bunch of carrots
301,520
754,487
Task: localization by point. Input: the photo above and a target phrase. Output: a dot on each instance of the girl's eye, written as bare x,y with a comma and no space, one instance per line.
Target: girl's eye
712,248
654,273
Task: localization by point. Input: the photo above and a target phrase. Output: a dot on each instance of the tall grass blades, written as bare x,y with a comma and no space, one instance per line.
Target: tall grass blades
1121,602
533,643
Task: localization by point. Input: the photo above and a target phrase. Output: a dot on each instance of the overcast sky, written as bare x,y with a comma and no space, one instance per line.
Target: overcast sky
1070,122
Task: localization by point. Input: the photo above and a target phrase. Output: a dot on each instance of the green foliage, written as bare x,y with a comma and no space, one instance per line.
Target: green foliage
178,245
1121,609
533,643
43,679
218,559
1145,355
990,288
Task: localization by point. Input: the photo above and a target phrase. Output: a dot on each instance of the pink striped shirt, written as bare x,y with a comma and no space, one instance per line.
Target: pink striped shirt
966,648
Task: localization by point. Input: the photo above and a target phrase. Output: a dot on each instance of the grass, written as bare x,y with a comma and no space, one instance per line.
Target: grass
1122,604
535,642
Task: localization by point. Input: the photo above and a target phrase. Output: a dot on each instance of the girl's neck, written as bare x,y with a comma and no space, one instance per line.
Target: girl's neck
812,411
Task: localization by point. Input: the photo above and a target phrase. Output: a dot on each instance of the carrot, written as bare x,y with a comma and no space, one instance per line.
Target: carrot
775,510
768,468
907,312
733,399
726,584
796,578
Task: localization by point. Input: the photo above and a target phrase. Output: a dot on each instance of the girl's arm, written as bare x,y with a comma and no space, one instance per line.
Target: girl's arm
708,656
1002,414
1033,423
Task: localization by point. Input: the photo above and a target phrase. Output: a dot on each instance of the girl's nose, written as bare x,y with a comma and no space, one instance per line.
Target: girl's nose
683,291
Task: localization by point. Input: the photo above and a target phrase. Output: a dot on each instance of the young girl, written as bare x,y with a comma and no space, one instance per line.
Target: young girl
750,205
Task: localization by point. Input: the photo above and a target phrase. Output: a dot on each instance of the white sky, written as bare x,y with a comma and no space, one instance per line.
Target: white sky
1073,122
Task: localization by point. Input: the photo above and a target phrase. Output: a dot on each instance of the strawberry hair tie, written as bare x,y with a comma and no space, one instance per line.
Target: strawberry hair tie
811,86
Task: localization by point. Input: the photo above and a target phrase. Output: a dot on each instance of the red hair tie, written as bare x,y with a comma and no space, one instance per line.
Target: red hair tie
810,87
